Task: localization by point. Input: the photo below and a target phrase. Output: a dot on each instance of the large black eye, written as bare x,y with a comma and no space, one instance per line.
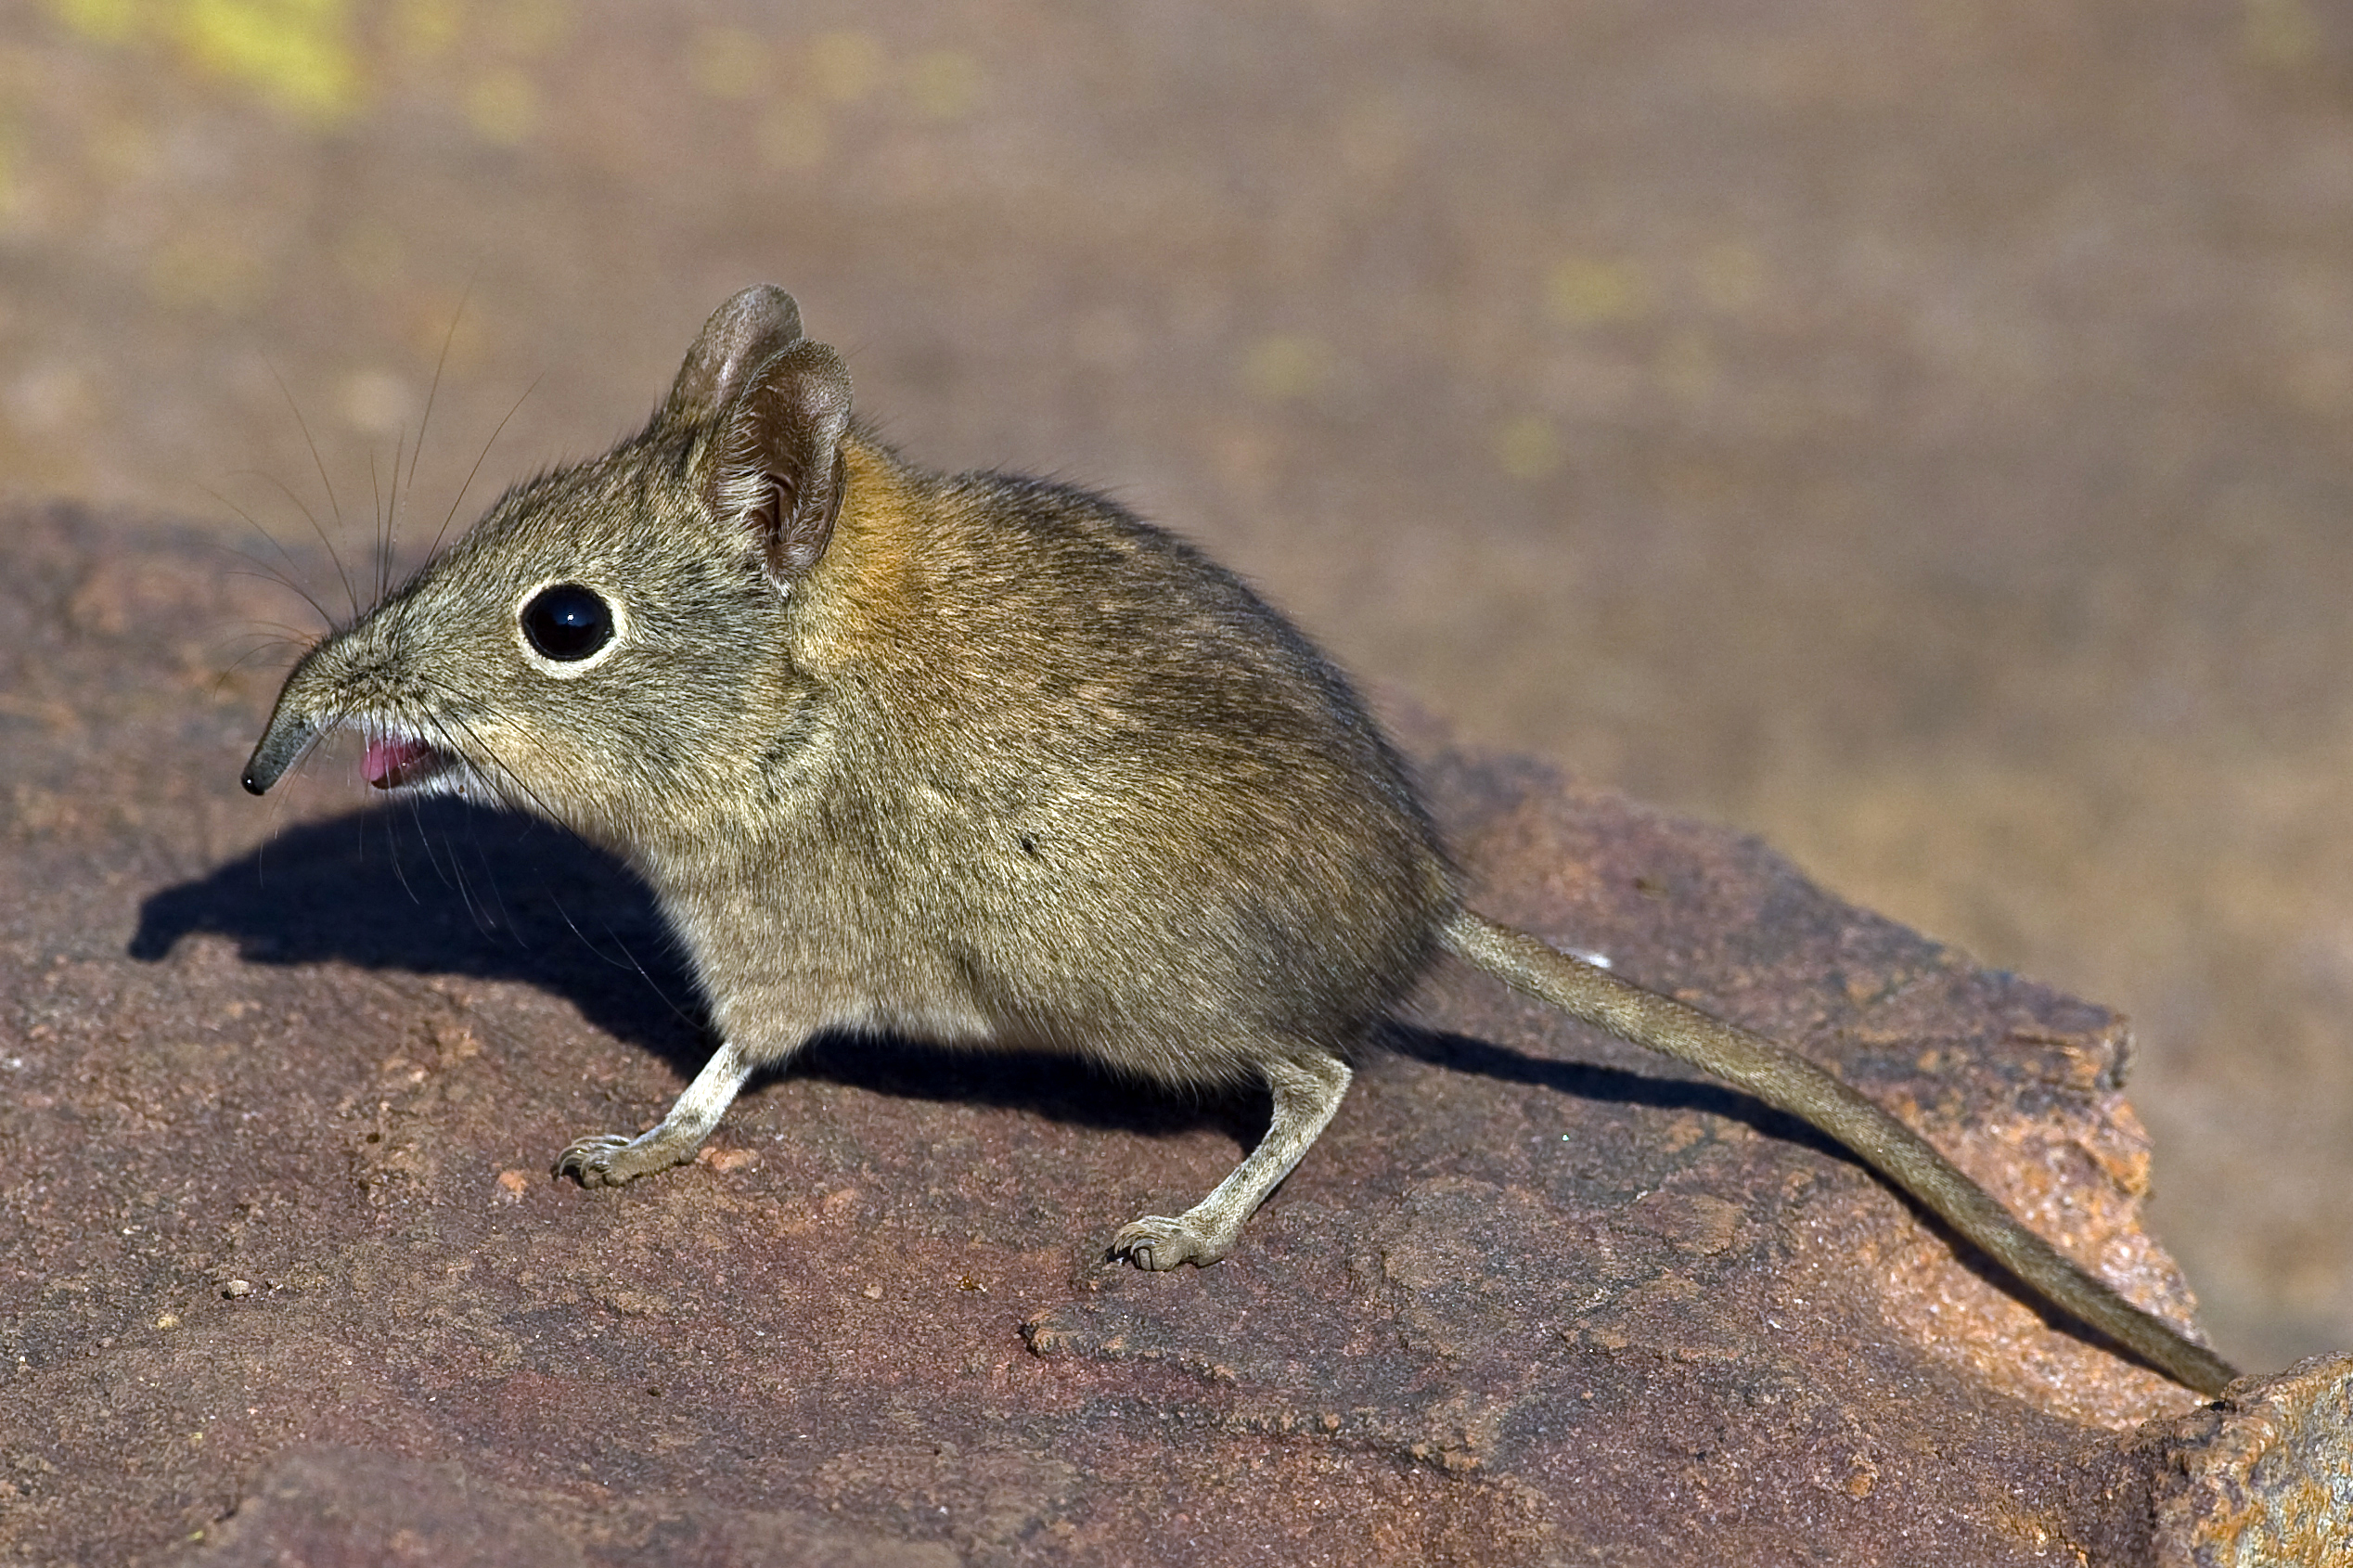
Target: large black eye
566,621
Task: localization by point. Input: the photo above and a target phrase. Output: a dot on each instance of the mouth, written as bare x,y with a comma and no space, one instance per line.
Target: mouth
396,760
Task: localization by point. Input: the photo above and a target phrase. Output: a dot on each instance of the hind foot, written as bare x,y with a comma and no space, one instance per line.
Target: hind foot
611,1159
1160,1243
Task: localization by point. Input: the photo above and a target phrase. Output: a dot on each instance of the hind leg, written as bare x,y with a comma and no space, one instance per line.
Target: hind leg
1307,1092
610,1159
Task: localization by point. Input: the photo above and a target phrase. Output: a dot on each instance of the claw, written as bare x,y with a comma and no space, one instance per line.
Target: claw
600,1159
1159,1243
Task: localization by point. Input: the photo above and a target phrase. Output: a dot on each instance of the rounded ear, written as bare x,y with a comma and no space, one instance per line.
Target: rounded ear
775,468
759,323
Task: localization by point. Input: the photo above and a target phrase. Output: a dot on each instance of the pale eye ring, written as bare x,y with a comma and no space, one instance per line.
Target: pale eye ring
567,622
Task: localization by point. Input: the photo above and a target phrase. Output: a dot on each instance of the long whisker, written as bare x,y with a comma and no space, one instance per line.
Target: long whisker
403,487
457,734
510,778
302,755
333,505
269,634
312,517
400,867
622,948
506,776
500,921
265,573
383,542
336,724
267,645
433,390
287,556
459,499
507,922
272,631
368,727
450,874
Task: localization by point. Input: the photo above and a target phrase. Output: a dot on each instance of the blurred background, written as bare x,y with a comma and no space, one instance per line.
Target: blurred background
1920,432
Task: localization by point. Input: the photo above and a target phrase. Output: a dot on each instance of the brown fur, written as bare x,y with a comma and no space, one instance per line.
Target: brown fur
980,759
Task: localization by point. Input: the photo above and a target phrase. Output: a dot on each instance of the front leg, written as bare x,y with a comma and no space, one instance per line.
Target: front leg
610,1159
1307,1092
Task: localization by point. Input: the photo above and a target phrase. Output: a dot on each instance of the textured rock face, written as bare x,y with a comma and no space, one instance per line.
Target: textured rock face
287,1280
1916,428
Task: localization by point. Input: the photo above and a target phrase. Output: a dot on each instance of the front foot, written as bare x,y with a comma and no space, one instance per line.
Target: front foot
611,1159
1160,1243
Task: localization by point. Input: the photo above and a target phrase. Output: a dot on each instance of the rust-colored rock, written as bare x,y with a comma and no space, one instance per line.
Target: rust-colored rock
1533,1299
2264,1476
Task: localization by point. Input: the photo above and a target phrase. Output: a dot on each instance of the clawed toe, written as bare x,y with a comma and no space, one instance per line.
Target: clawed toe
1159,1243
601,1160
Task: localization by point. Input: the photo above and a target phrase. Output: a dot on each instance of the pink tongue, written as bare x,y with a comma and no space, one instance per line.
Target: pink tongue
388,760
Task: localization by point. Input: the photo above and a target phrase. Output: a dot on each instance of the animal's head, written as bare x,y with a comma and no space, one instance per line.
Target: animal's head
599,644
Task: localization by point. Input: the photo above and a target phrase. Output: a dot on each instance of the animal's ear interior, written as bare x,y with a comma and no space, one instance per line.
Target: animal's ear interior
775,468
756,324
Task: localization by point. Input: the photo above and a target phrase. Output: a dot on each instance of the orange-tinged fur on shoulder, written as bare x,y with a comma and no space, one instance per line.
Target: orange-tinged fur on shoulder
873,584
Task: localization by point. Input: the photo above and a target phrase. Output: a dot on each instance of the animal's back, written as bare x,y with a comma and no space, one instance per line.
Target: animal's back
1144,809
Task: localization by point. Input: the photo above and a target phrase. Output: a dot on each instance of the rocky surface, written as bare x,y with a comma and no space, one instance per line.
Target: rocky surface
1915,429
287,1279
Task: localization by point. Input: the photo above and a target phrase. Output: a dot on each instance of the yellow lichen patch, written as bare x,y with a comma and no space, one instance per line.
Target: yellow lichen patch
1594,292
1527,447
298,53
1287,366
2280,32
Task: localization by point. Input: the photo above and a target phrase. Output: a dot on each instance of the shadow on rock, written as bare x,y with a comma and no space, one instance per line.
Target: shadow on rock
1059,1088
443,888
1458,1053
1577,1079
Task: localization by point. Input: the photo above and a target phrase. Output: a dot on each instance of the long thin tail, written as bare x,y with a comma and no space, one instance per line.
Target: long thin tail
1788,1082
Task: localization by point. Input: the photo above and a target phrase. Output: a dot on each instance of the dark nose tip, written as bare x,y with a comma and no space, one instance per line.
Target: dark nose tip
280,745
